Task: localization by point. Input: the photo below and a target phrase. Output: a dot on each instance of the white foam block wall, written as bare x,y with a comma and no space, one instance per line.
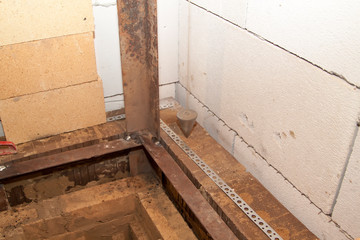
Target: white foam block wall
299,119
168,30
347,208
232,10
319,223
323,32
108,51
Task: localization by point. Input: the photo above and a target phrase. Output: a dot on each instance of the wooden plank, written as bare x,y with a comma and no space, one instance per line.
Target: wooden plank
205,222
67,141
244,184
139,61
29,20
17,168
49,113
47,64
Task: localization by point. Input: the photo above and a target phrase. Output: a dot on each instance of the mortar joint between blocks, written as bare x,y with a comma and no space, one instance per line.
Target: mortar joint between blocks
339,76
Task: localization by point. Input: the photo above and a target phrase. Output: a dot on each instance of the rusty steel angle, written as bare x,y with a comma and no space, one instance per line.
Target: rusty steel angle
139,63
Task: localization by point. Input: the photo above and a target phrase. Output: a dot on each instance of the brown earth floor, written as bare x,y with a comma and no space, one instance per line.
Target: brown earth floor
129,208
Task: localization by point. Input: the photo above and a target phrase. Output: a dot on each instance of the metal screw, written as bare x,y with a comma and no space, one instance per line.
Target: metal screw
128,138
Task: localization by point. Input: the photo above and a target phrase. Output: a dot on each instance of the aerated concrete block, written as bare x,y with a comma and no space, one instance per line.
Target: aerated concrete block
297,116
324,33
347,209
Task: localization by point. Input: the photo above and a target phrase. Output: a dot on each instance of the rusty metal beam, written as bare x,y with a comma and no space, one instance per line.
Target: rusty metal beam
139,61
206,223
17,168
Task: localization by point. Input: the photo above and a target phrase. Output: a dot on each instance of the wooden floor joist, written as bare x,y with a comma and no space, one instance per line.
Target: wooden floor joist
196,210
17,168
67,141
92,141
234,174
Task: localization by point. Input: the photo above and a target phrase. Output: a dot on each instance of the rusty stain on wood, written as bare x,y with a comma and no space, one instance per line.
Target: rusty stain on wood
139,60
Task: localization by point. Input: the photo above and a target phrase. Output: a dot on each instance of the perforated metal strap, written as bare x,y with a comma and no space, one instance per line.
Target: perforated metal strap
264,226
253,216
122,116
114,118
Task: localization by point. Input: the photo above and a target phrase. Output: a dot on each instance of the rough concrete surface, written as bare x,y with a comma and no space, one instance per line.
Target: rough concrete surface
46,64
280,104
29,20
48,113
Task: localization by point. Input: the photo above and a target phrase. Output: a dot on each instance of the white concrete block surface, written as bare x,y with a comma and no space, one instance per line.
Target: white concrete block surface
186,100
231,10
107,46
213,125
298,117
311,216
323,32
347,209
166,91
168,29
114,102
184,50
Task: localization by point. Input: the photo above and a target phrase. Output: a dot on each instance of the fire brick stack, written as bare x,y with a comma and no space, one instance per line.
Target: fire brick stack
48,81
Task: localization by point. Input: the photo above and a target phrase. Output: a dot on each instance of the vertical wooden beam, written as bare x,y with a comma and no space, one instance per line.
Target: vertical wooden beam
139,61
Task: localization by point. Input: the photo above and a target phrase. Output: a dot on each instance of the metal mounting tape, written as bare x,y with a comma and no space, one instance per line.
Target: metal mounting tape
253,216
264,226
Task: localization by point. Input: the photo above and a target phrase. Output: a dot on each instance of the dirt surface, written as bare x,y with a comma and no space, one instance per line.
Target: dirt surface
55,182
129,208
